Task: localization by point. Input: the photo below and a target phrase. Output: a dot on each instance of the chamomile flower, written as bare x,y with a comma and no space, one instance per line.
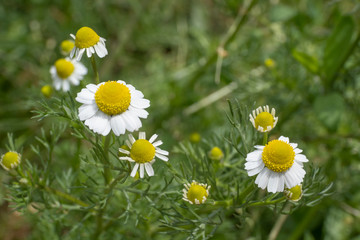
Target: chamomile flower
262,119
112,105
66,47
66,72
216,154
87,40
196,193
46,90
10,160
279,165
294,193
143,153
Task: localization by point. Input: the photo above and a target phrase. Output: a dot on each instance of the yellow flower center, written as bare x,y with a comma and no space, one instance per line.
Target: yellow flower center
196,192
86,37
10,158
294,193
66,46
264,120
142,151
64,68
216,154
113,98
278,156
269,63
46,91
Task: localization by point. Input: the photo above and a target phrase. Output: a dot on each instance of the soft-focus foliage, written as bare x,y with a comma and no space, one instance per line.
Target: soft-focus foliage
188,58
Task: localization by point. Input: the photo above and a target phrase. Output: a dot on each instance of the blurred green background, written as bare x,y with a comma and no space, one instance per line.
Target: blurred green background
188,57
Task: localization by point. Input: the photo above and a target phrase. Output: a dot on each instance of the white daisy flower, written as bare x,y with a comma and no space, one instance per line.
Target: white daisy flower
196,193
87,40
279,165
10,160
143,153
262,119
112,105
66,72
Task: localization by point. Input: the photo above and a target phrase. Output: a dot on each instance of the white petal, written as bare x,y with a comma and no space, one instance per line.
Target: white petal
141,113
284,139
254,156
149,169
85,96
140,103
263,178
88,52
65,86
133,172
162,157
141,170
253,164
281,183
117,124
301,158
254,171
153,138
92,88
87,111
162,152
157,143
273,182
99,123
142,135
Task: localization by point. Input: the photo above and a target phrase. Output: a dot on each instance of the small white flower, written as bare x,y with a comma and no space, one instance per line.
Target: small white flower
196,193
143,153
112,105
262,119
87,40
279,165
10,160
66,72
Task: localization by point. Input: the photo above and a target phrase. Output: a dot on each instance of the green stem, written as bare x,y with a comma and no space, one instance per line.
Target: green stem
107,172
267,202
265,139
93,64
246,192
65,196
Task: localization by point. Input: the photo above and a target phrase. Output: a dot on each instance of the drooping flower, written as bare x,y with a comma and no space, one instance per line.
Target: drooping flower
66,72
294,193
66,47
87,40
262,119
279,165
216,154
196,193
10,160
143,153
112,105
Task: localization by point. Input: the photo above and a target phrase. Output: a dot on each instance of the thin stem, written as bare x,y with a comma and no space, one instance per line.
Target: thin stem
66,196
267,202
279,223
265,139
93,64
107,172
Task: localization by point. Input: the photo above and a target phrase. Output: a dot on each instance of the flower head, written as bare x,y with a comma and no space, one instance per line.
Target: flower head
195,137
66,72
294,193
112,105
196,193
262,119
10,160
46,90
143,153
269,63
216,154
278,164
66,46
87,40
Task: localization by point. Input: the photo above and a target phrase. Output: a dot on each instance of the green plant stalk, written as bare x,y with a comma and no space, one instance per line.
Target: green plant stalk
93,64
107,172
265,139
267,202
66,196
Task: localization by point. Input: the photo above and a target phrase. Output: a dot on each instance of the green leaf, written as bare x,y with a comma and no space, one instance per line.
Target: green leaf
329,109
309,62
337,47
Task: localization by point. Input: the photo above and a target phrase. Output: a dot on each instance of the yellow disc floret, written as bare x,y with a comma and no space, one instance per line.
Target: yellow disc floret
64,68
294,193
196,191
113,98
264,120
278,156
66,46
142,151
10,160
86,37
216,154
46,91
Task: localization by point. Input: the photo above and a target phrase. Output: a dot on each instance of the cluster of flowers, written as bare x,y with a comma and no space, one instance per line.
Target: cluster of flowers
118,107
279,164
